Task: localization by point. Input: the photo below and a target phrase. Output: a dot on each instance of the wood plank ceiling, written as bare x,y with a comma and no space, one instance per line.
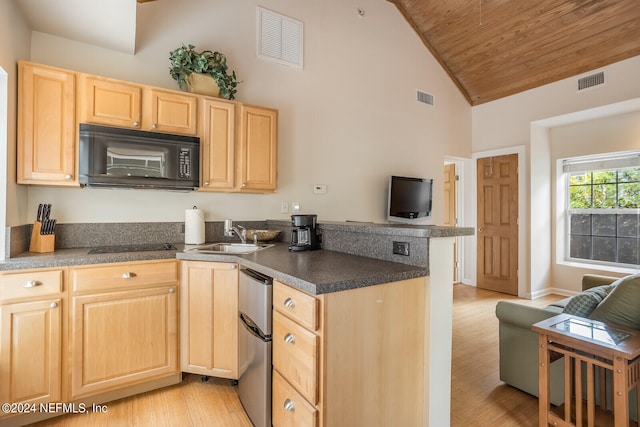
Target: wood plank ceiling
496,48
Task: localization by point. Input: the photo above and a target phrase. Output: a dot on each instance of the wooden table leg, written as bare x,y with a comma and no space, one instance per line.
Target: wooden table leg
543,381
620,394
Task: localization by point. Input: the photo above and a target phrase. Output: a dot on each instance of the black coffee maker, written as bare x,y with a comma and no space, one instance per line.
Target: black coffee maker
304,236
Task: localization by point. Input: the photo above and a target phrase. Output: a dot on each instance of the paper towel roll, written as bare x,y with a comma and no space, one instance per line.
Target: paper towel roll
193,226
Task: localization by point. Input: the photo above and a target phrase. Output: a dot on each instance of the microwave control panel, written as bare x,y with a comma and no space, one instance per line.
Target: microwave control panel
185,163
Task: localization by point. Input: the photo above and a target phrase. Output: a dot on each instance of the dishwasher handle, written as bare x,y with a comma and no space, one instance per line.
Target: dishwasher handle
253,328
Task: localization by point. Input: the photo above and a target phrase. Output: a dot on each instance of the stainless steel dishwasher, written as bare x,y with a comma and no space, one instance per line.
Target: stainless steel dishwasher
255,301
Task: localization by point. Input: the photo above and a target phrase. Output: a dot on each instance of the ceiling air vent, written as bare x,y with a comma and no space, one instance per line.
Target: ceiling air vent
279,38
426,98
591,81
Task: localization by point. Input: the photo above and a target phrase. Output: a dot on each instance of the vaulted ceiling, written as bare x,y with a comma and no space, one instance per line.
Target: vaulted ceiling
495,48
490,48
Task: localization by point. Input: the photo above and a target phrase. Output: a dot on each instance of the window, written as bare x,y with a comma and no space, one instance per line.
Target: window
604,209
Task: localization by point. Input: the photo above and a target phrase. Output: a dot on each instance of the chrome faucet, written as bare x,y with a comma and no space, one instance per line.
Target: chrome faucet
230,230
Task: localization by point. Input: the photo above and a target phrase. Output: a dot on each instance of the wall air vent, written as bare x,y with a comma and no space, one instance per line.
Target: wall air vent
426,97
591,81
279,38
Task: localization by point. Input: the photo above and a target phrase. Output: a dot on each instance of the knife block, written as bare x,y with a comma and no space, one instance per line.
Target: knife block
41,242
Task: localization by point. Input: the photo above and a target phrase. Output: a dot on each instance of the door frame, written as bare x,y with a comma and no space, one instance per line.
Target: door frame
460,211
523,217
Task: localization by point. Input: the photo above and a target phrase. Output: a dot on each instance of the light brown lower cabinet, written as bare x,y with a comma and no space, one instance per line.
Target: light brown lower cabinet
209,318
31,337
349,358
124,325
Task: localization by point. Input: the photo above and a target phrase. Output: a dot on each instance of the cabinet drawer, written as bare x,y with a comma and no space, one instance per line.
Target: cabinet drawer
289,409
296,305
126,274
295,356
30,284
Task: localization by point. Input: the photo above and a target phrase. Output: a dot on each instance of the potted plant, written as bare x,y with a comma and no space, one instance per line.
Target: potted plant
186,61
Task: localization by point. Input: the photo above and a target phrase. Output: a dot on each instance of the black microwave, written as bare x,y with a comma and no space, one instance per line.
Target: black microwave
125,158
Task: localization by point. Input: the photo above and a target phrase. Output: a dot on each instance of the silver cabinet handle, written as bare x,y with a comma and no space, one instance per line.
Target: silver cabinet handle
32,284
136,123
154,126
244,184
68,176
54,305
289,338
289,303
480,230
289,405
128,275
233,267
206,183
172,291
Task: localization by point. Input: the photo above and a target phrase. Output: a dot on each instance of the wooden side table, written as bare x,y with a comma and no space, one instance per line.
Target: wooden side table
585,342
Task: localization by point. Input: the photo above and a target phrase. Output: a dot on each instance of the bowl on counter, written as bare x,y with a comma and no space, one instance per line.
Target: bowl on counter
262,235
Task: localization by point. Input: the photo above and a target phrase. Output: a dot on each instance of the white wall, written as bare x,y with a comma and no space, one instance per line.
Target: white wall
348,120
521,120
14,44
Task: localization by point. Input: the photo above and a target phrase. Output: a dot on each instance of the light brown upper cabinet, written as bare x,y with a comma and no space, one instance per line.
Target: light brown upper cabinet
239,147
217,144
256,161
111,102
46,126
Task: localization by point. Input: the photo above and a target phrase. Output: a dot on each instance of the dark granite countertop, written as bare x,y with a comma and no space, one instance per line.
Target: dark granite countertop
318,272
315,272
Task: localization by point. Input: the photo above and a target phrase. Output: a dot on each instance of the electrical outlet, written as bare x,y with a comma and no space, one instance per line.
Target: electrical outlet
295,207
284,207
401,248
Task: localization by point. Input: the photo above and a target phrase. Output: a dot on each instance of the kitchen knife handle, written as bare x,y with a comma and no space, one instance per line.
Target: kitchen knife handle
39,217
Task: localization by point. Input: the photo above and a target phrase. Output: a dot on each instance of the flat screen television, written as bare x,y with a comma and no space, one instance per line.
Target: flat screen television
410,200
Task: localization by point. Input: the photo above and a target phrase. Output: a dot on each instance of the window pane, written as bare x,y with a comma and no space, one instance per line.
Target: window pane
604,225
581,225
580,247
629,226
629,251
604,196
580,178
580,197
629,195
602,177
604,249
627,175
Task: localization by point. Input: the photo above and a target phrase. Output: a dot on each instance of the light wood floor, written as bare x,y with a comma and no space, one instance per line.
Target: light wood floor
478,398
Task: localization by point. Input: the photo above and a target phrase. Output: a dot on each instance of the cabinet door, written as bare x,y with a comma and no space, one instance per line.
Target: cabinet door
111,103
46,126
258,149
170,112
217,144
210,319
30,352
123,338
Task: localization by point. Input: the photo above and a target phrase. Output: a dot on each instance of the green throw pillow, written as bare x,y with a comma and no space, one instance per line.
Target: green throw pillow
622,306
586,301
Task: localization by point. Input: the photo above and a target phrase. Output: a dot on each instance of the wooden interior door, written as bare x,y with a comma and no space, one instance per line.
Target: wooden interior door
498,224
450,209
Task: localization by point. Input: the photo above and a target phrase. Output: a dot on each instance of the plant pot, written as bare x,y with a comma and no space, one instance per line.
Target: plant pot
203,84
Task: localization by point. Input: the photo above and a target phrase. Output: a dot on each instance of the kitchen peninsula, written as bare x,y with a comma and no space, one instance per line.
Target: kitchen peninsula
355,267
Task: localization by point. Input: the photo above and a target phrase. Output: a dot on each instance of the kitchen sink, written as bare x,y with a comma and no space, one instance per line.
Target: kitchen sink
229,248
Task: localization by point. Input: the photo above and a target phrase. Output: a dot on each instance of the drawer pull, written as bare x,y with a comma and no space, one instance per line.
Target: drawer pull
32,284
172,291
289,405
54,305
289,303
128,275
289,338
